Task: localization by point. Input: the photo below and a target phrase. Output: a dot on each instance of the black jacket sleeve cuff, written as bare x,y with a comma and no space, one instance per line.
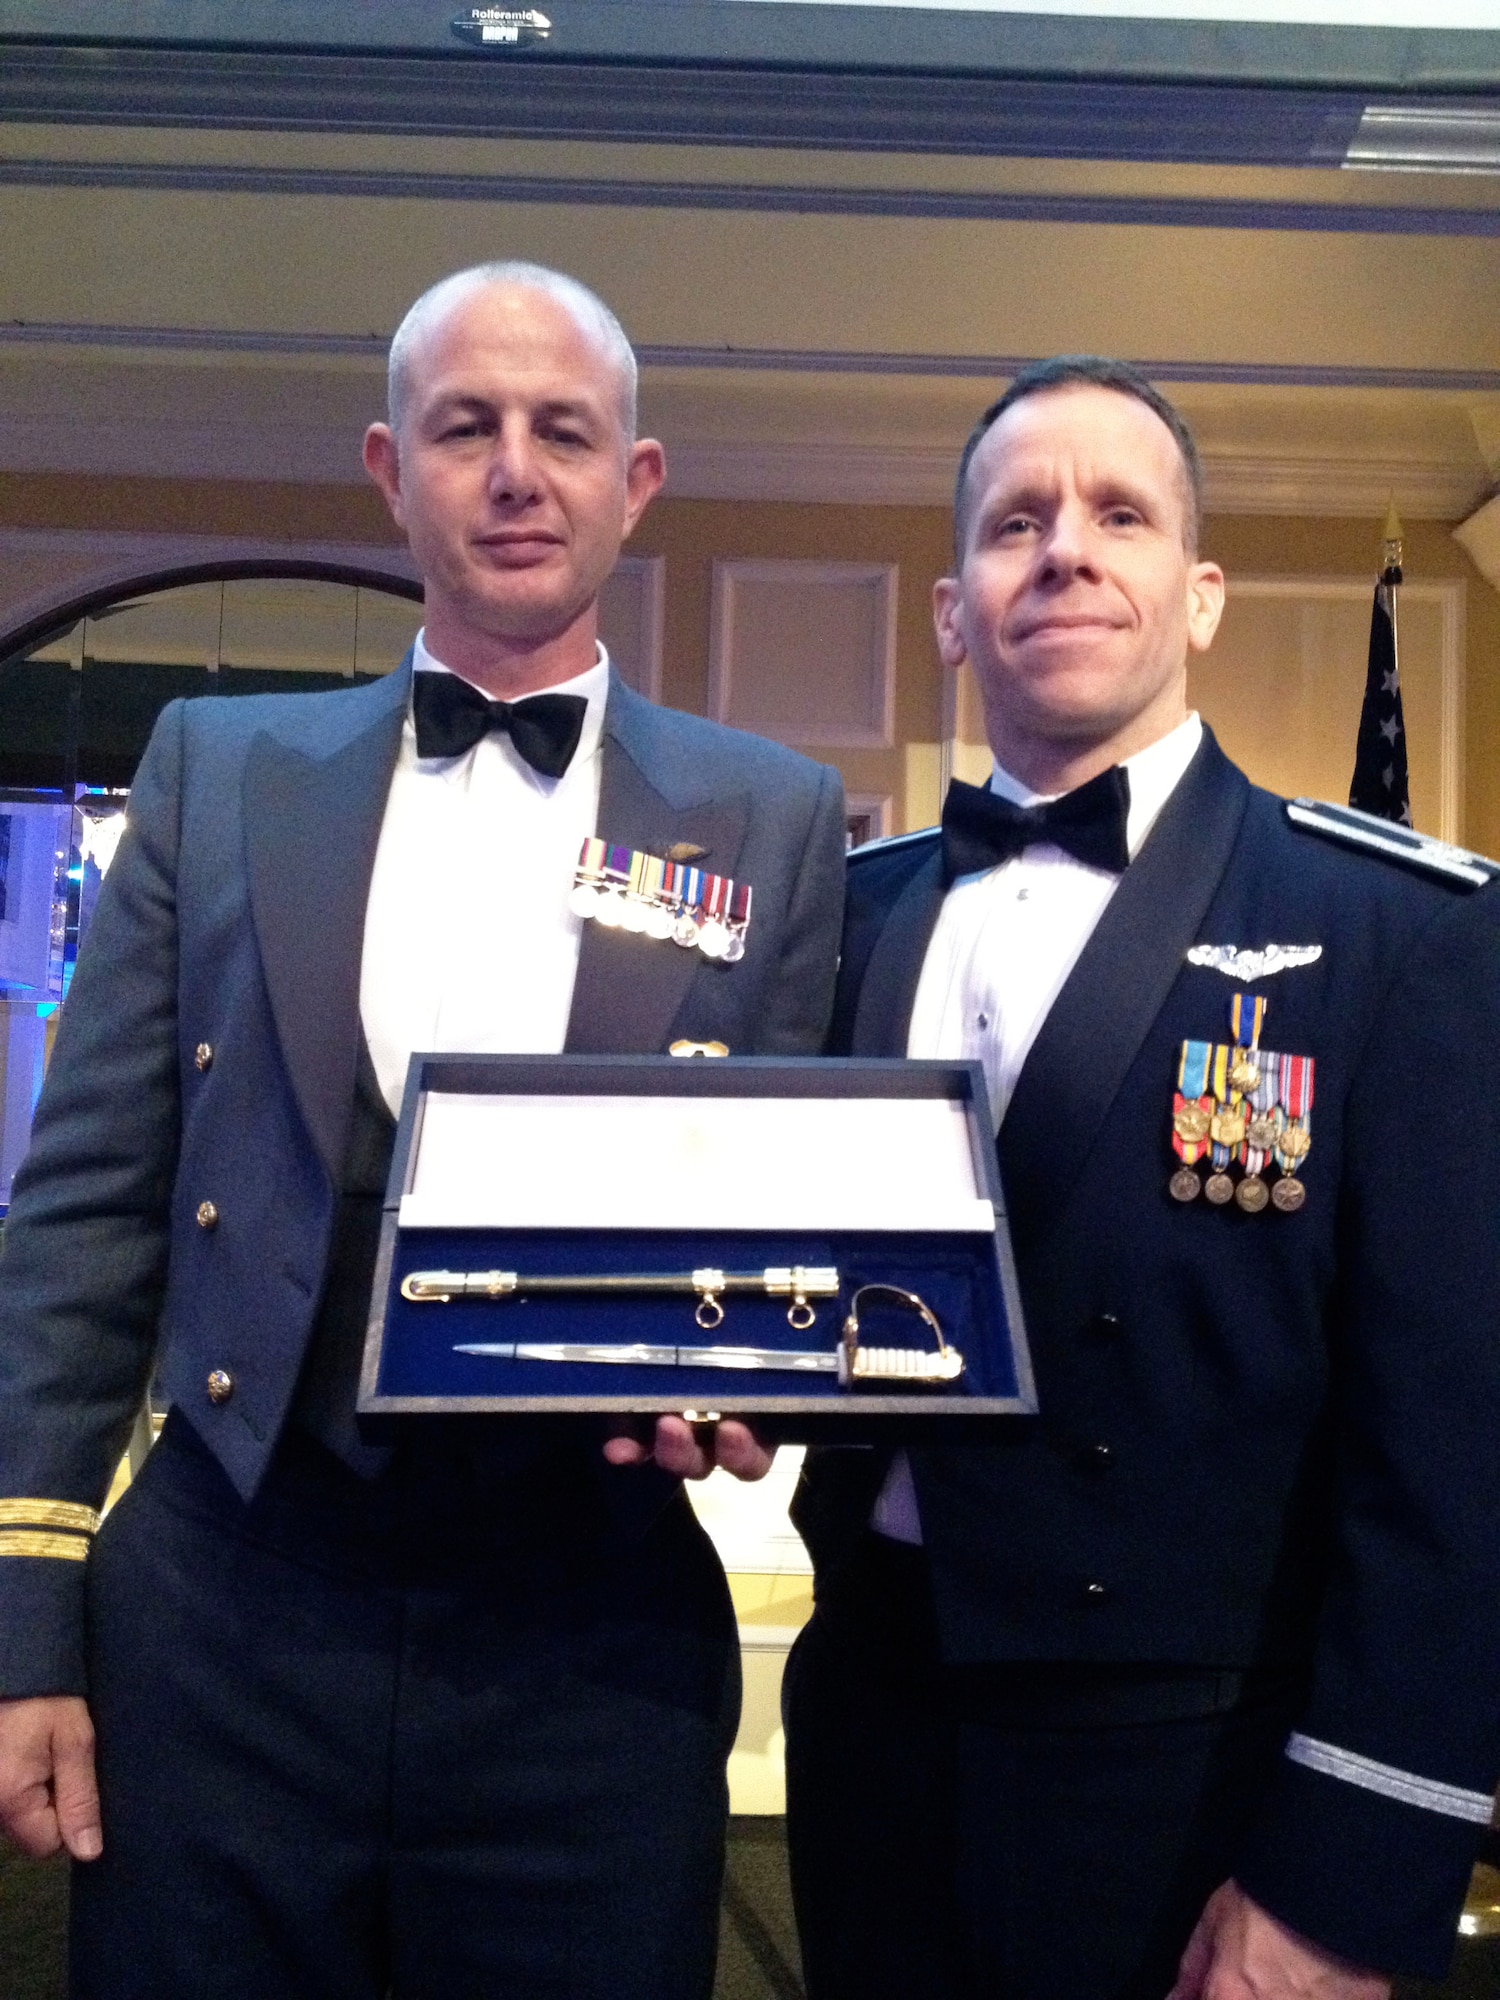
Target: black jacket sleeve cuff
1377,1878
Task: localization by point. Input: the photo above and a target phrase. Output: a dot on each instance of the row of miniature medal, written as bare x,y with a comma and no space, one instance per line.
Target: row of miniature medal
625,889
1242,1106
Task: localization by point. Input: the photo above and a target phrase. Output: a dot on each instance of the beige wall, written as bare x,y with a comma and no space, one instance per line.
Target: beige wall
690,534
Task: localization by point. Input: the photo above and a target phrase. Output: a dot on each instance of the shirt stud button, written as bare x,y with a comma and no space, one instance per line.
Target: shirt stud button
983,1021
208,1215
220,1386
203,1056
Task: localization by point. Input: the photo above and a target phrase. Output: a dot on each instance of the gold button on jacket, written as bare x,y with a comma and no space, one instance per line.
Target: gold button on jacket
203,1055
220,1386
208,1215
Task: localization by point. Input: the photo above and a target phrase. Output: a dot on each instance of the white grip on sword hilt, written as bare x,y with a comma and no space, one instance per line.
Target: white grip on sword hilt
911,1367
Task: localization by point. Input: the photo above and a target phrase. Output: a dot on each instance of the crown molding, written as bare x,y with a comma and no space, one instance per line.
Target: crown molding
372,347
1254,483
1235,483
775,198
815,470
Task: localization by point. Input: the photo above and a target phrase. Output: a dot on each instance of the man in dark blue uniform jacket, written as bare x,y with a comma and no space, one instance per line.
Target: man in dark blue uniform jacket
1191,1683
448,1716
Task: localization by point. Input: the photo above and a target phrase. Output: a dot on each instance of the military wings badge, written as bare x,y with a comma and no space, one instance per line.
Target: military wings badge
1251,965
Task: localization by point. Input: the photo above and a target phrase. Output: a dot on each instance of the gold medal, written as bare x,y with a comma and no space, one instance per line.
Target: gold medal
1243,1074
1219,1188
1184,1185
1228,1125
1192,1124
1288,1195
1252,1194
1295,1143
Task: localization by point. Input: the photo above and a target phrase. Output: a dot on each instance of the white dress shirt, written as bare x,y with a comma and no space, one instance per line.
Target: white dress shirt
469,943
1001,951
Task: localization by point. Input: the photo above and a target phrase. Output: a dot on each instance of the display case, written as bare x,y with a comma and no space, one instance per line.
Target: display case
820,1244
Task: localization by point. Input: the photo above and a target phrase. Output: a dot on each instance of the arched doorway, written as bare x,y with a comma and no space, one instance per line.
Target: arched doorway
81,685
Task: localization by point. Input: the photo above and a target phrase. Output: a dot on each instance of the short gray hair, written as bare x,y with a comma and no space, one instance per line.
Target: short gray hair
586,307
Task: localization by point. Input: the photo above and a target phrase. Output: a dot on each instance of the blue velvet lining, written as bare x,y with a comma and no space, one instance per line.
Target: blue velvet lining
957,1275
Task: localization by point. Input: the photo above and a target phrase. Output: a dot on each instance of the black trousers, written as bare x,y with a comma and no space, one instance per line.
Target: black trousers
432,1735
1005,1833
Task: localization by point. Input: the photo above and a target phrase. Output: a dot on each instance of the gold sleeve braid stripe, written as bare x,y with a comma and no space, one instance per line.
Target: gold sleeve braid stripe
30,1542
67,1514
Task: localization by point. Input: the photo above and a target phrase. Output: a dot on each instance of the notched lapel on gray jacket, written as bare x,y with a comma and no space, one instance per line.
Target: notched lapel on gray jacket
313,810
1094,1029
629,989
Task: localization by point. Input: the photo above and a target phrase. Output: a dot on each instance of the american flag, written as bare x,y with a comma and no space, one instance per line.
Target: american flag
1379,784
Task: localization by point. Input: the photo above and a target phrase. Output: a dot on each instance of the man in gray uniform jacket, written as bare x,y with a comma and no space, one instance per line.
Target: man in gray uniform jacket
449,1716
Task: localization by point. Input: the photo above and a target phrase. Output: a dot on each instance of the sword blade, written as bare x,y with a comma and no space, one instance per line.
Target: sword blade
804,1360
636,1354
639,1354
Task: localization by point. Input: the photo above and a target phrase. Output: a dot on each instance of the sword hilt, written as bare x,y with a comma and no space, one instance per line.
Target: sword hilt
913,1366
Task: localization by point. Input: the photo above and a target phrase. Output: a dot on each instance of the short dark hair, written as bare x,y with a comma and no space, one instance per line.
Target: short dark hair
1092,371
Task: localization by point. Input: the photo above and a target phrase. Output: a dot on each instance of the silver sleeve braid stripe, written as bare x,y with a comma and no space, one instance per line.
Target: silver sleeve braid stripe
1430,1794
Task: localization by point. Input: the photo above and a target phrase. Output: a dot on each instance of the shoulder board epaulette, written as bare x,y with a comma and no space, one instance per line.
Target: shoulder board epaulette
890,842
1397,843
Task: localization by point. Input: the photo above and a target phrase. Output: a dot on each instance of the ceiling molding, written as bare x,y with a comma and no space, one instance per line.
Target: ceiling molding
1001,367
770,360
1255,484
1125,211
1235,483
823,471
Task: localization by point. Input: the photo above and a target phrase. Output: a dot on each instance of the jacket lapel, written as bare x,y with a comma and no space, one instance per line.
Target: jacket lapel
629,990
313,809
888,990
1097,1024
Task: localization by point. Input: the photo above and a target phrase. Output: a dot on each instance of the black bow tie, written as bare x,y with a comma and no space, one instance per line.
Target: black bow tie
980,829
451,716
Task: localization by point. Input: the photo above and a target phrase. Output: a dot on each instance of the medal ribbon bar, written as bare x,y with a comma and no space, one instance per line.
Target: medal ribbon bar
628,889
